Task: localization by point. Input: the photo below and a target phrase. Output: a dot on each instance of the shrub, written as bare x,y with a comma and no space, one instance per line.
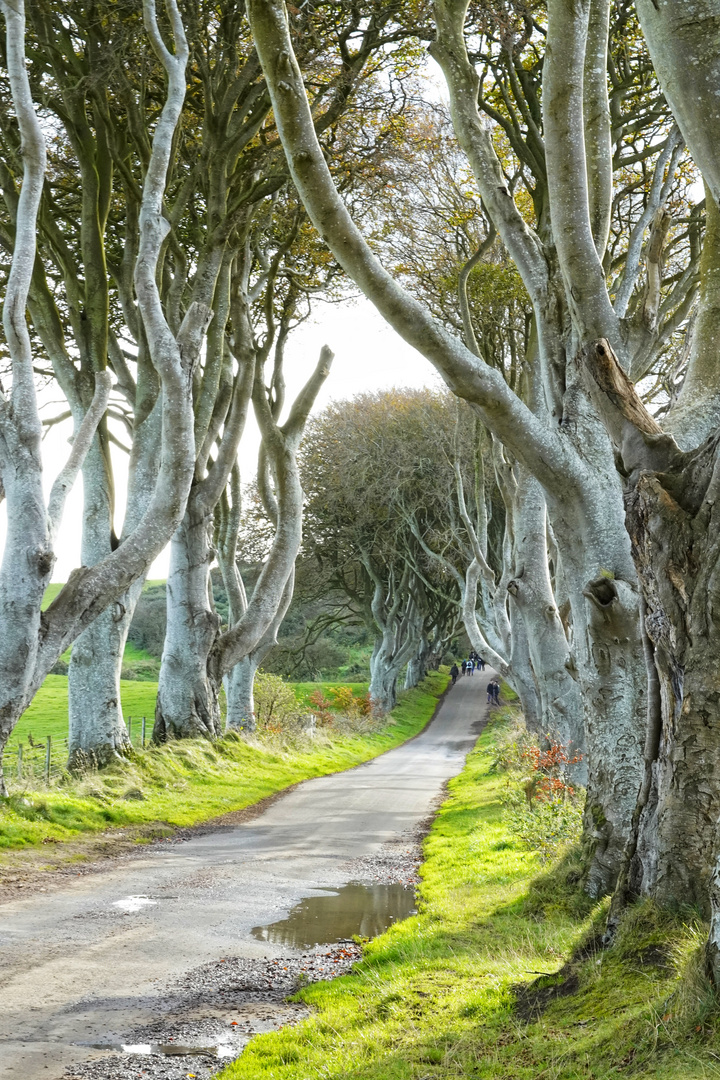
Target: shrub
322,707
147,629
275,703
350,705
540,806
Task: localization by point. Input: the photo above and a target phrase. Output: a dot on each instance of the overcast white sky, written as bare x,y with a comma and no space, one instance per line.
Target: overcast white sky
368,356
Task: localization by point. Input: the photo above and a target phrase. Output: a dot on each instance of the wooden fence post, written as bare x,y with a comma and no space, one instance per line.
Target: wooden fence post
47,760
19,761
143,732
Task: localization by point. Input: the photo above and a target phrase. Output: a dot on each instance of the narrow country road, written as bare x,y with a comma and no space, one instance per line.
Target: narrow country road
80,965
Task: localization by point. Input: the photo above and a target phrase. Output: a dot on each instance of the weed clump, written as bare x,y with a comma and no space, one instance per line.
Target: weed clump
541,807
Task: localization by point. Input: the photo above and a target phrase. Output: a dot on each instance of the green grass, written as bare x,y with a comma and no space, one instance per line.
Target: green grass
457,991
48,712
51,592
194,780
133,655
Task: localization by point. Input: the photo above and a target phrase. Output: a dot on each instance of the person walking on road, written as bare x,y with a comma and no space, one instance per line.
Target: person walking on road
481,663
470,666
464,666
496,691
491,693
454,672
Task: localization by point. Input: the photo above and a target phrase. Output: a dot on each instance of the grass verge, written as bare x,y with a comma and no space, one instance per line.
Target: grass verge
191,781
501,975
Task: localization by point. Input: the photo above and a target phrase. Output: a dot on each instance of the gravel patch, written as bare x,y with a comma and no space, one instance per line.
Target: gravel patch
208,1017
397,862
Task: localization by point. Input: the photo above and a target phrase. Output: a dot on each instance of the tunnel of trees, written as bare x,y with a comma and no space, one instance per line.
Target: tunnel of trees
180,187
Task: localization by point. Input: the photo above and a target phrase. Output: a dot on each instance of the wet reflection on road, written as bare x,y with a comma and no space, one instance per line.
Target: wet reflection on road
365,910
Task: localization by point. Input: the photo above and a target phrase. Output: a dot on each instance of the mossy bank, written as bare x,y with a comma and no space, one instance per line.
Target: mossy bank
184,783
502,974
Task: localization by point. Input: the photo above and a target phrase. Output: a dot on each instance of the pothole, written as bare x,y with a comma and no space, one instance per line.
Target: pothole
340,914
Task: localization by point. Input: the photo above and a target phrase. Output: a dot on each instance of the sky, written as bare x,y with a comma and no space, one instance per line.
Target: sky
368,356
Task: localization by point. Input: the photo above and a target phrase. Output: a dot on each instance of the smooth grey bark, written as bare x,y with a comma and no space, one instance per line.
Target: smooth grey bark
394,614
187,702
384,674
97,730
598,124
522,678
696,413
417,668
682,38
418,664
240,681
561,706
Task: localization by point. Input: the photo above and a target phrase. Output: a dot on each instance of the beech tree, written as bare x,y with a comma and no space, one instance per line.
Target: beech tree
447,253
223,170
558,434
271,278
31,641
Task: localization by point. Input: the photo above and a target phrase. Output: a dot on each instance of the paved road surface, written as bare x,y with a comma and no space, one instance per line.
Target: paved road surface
75,964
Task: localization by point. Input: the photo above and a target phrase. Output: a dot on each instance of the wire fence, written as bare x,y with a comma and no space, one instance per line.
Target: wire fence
44,761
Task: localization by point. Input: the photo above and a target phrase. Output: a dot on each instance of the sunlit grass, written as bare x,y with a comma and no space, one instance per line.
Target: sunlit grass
440,994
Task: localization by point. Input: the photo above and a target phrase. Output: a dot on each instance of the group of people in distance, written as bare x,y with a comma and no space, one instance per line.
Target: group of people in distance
476,663
472,663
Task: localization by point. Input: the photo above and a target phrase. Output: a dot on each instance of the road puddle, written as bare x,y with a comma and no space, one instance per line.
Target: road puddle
130,904
221,1050
365,910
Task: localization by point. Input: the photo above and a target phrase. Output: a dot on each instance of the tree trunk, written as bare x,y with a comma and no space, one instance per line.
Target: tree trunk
97,730
674,527
520,675
240,682
418,664
24,574
187,702
240,693
384,673
561,707
607,646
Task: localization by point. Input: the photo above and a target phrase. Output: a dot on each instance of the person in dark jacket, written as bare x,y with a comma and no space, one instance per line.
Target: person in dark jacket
491,693
464,666
496,691
454,672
